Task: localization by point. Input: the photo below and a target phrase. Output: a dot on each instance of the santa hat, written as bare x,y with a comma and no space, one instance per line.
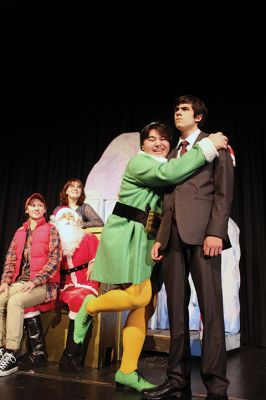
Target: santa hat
57,216
232,154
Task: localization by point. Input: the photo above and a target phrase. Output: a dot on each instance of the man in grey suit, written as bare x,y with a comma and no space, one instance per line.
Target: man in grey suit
192,234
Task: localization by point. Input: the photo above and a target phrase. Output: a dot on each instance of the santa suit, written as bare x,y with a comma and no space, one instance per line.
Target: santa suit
74,286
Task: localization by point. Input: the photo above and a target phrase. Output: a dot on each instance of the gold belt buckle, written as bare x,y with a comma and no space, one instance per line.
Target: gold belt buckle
152,222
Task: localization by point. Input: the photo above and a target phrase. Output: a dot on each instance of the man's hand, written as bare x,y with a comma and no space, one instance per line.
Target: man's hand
4,288
212,246
28,287
88,272
219,140
155,252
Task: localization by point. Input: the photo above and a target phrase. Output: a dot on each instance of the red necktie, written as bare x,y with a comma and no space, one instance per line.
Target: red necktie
183,146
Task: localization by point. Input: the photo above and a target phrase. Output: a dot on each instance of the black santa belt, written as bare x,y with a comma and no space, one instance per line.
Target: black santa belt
74,269
149,218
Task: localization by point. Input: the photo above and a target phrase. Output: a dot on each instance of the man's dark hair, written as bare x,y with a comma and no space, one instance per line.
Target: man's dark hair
197,104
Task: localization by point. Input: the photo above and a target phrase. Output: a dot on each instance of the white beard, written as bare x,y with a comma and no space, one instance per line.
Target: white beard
70,235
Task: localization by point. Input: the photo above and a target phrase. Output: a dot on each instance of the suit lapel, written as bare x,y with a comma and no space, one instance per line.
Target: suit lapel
173,153
201,135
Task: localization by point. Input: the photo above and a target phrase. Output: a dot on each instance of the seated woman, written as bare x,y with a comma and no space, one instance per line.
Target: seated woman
73,195
30,277
123,256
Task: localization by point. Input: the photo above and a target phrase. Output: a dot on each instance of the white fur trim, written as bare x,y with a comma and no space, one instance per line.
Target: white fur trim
66,210
70,262
52,220
66,287
72,315
74,279
157,158
31,314
79,285
208,149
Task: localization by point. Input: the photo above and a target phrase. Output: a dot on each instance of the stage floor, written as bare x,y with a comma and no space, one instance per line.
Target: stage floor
246,371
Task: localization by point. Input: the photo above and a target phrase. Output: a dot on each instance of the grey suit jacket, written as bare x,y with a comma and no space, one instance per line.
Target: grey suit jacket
201,203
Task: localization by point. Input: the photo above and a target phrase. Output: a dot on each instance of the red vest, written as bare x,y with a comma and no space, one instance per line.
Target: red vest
39,249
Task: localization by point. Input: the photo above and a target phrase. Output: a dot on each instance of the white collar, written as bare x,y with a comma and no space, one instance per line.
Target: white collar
157,158
191,138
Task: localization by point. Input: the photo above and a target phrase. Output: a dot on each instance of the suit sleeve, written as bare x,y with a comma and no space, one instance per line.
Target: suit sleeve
223,195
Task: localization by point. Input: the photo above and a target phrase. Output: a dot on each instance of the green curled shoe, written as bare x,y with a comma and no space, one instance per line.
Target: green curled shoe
131,381
82,321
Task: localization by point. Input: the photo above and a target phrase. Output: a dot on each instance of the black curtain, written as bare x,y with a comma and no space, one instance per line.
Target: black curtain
48,141
66,95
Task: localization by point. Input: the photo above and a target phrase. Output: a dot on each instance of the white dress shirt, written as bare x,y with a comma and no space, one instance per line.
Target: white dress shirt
191,139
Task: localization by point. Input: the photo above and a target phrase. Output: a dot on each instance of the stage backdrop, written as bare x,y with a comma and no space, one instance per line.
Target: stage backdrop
102,187
57,132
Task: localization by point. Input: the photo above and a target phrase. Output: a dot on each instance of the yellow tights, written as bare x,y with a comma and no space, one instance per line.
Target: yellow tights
138,299
131,298
134,334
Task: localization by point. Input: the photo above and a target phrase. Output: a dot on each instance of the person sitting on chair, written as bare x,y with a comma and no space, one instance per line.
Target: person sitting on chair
79,250
30,277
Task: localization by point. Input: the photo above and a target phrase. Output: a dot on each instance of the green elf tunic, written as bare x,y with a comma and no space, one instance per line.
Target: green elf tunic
124,251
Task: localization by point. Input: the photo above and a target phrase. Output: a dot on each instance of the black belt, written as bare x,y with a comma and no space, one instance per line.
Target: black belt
149,218
70,270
